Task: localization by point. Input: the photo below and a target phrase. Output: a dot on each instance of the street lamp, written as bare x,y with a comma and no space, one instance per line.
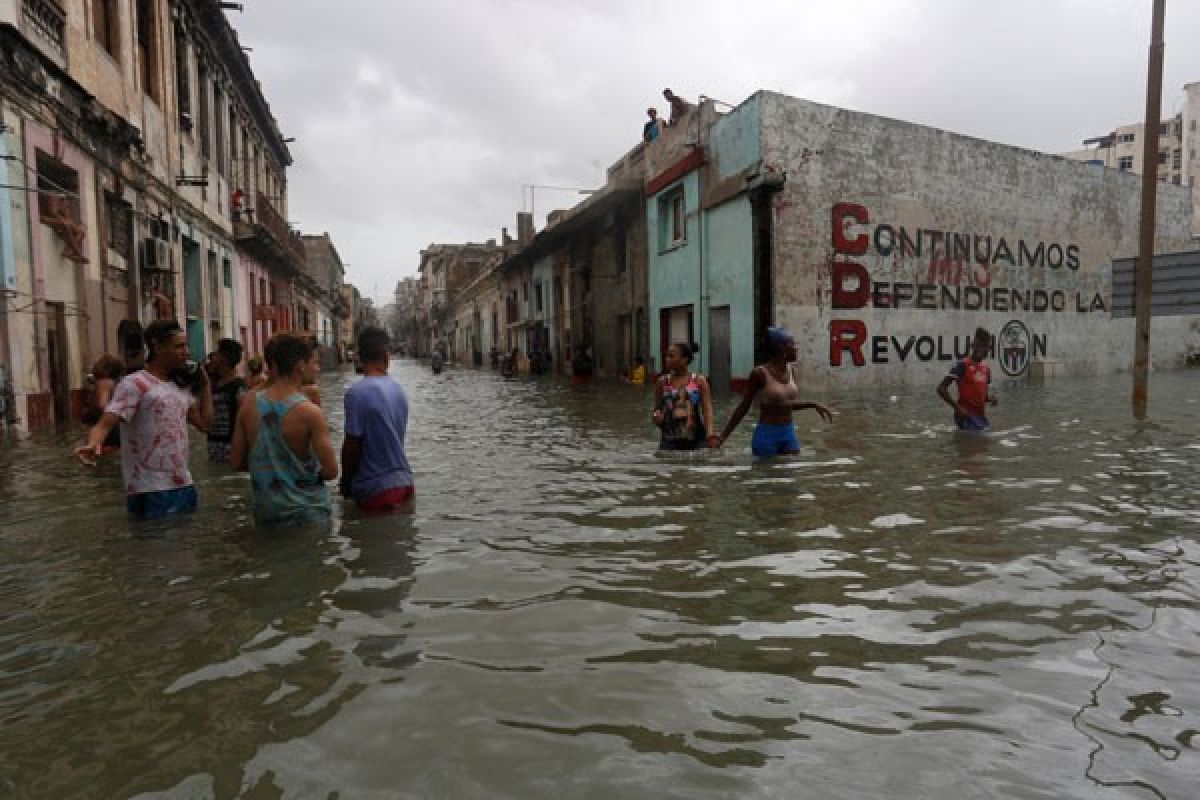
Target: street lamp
533,187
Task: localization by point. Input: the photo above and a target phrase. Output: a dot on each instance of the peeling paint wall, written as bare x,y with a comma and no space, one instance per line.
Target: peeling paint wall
893,241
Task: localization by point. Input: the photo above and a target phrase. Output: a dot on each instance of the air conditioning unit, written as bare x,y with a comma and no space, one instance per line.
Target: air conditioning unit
155,254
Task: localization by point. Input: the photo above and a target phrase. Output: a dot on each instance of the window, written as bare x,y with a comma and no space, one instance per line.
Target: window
537,295
1177,159
1163,155
55,180
1126,138
147,46
183,86
1175,180
227,270
120,221
1125,162
107,25
672,219
219,127
202,85
620,249
1164,129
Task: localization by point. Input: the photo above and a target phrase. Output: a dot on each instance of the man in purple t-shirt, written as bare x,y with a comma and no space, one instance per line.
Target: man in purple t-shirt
375,471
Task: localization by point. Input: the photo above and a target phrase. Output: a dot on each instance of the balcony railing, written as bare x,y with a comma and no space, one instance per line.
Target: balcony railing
267,226
45,22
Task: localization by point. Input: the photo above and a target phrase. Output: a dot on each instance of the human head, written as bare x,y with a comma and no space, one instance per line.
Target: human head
652,113
108,367
980,344
292,357
667,93
229,355
374,346
166,343
254,365
639,361
269,350
679,356
780,344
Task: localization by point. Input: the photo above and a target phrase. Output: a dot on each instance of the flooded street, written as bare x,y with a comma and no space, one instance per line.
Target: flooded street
901,612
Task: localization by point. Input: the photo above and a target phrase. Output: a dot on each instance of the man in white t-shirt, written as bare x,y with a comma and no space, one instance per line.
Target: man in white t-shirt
153,407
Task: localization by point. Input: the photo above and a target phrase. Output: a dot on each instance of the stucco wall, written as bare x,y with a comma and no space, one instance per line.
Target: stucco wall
1025,229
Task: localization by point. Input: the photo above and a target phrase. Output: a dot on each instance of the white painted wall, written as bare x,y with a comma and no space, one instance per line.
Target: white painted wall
915,177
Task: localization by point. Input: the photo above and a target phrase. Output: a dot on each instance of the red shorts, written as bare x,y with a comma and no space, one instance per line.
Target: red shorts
389,500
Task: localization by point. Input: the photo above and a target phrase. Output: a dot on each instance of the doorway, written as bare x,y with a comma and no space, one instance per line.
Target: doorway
719,366
56,351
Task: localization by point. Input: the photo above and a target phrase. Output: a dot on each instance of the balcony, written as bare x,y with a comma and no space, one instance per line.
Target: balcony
44,23
265,234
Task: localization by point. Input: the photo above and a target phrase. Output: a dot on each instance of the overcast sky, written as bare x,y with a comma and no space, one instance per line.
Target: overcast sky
419,121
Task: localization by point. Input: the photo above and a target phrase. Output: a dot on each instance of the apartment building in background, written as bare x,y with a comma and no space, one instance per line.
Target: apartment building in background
1177,159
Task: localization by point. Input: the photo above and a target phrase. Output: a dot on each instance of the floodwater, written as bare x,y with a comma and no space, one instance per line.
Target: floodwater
900,612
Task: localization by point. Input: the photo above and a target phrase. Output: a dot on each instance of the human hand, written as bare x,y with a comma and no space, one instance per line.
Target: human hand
715,440
88,453
658,418
825,413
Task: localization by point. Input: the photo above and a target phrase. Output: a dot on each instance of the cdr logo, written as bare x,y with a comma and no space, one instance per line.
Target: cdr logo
1012,347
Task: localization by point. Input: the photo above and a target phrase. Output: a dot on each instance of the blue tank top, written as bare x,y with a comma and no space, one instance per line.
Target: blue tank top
286,489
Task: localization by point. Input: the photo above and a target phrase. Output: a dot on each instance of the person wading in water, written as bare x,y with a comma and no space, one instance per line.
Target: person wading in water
778,396
153,407
683,403
281,438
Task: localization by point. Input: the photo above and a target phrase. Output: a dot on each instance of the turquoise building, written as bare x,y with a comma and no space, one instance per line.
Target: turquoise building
701,201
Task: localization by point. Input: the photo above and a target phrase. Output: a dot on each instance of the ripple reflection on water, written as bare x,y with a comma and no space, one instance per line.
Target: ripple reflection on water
898,612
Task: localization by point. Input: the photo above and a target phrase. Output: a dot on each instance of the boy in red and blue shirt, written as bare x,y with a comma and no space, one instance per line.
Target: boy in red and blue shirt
973,379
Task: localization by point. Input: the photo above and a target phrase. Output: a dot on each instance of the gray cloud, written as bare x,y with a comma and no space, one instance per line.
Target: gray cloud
419,121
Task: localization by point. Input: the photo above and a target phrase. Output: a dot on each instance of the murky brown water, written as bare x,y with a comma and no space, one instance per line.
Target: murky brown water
900,613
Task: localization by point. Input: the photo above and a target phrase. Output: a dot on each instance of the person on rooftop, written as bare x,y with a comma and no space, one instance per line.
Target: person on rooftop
653,126
679,107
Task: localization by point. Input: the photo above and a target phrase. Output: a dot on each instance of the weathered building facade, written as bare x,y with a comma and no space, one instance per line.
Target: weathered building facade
883,244
135,142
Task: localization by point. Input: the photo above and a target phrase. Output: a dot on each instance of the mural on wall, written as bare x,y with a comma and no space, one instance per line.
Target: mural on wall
885,266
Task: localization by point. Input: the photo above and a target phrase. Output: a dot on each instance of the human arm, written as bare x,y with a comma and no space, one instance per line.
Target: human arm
95,442
943,391
823,411
313,394
200,415
240,449
753,387
351,453
707,408
103,393
322,444
658,415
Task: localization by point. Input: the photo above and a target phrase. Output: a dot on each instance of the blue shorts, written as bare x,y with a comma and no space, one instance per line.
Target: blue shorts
774,440
154,505
972,422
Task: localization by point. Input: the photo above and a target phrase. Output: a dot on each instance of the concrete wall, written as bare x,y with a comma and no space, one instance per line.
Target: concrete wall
1025,229
713,268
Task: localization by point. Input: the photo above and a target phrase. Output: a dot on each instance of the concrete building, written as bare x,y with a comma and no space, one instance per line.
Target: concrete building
444,270
327,274
404,324
883,244
1177,160
134,130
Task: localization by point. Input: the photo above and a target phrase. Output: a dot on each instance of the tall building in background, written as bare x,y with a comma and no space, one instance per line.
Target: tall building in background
1178,159
142,176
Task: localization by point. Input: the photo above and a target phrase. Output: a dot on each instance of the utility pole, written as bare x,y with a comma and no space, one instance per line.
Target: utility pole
1144,273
